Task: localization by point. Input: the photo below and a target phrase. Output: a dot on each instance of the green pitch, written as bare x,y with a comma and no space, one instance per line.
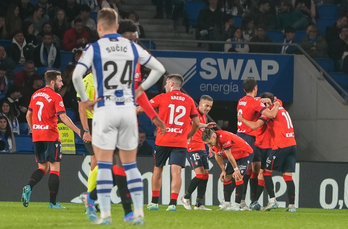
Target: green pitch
38,215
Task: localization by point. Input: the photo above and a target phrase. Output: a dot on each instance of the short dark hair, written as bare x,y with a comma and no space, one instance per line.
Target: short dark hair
227,17
127,25
78,20
207,133
48,34
262,2
142,132
13,89
51,75
17,32
206,97
85,8
135,15
3,67
177,78
289,29
268,95
249,84
29,62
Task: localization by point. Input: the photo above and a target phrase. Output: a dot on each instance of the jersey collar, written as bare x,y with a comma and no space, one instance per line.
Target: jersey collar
112,36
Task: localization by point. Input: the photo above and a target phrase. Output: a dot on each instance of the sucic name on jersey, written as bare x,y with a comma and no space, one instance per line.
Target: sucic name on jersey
174,130
42,94
174,97
116,48
40,127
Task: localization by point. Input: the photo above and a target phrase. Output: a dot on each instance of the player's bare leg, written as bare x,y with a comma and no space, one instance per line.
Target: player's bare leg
156,182
134,183
290,190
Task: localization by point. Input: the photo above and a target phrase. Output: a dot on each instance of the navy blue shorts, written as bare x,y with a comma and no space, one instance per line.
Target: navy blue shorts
177,156
282,160
251,140
243,165
47,151
198,159
264,155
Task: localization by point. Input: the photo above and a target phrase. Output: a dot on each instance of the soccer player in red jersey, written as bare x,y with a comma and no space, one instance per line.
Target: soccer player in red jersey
42,116
198,158
283,156
251,109
177,110
239,154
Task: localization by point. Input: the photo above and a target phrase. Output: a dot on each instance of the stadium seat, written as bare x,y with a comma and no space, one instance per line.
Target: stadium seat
299,35
328,11
24,128
2,96
146,124
71,114
4,43
238,21
42,70
275,35
326,63
65,57
18,68
341,79
151,142
24,144
148,44
34,2
94,16
192,9
323,23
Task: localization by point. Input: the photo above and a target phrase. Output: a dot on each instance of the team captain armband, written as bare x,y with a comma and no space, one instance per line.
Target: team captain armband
143,101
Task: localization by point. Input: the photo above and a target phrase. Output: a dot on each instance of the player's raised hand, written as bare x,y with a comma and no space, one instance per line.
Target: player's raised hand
89,104
211,125
162,129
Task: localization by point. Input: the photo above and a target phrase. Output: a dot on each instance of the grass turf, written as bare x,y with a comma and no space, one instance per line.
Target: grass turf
38,215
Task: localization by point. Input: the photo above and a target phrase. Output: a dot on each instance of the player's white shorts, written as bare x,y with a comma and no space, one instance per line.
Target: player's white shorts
115,127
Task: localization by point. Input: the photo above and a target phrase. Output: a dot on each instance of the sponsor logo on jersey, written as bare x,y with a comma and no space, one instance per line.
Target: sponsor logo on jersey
226,144
290,135
174,130
40,127
242,103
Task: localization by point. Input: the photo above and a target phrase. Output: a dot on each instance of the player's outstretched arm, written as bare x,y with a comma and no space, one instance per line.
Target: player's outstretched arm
250,124
67,121
220,162
209,125
29,117
273,112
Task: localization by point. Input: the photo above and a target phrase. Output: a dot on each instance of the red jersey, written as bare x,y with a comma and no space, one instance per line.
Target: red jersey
46,105
197,142
251,110
283,129
176,110
264,134
227,140
137,77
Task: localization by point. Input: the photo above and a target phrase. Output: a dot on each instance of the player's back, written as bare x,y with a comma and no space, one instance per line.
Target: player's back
46,104
197,143
264,135
251,109
176,110
284,135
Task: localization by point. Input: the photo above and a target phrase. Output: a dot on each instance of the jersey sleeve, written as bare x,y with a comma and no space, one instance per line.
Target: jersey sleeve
156,101
264,118
144,56
259,106
30,107
193,108
59,105
87,57
226,142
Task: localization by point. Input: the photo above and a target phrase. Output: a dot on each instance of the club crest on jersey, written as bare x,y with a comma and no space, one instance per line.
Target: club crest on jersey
227,143
61,104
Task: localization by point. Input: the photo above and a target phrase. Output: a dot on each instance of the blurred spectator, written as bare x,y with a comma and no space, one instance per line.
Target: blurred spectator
47,28
76,37
60,24
47,54
246,6
159,8
3,30
22,78
49,9
8,62
314,44
38,19
7,136
262,15
88,22
9,111
332,33
223,32
144,149
248,28
76,56
18,50
112,4
339,50
68,91
288,39
290,17
71,9
178,11
34,84
232,7
236,35
307,7
25,9
261,37
28,32
93,4
132,15
3,79
12,19
207,19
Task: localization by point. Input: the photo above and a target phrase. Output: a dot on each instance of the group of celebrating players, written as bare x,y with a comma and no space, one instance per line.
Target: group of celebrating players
264,142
